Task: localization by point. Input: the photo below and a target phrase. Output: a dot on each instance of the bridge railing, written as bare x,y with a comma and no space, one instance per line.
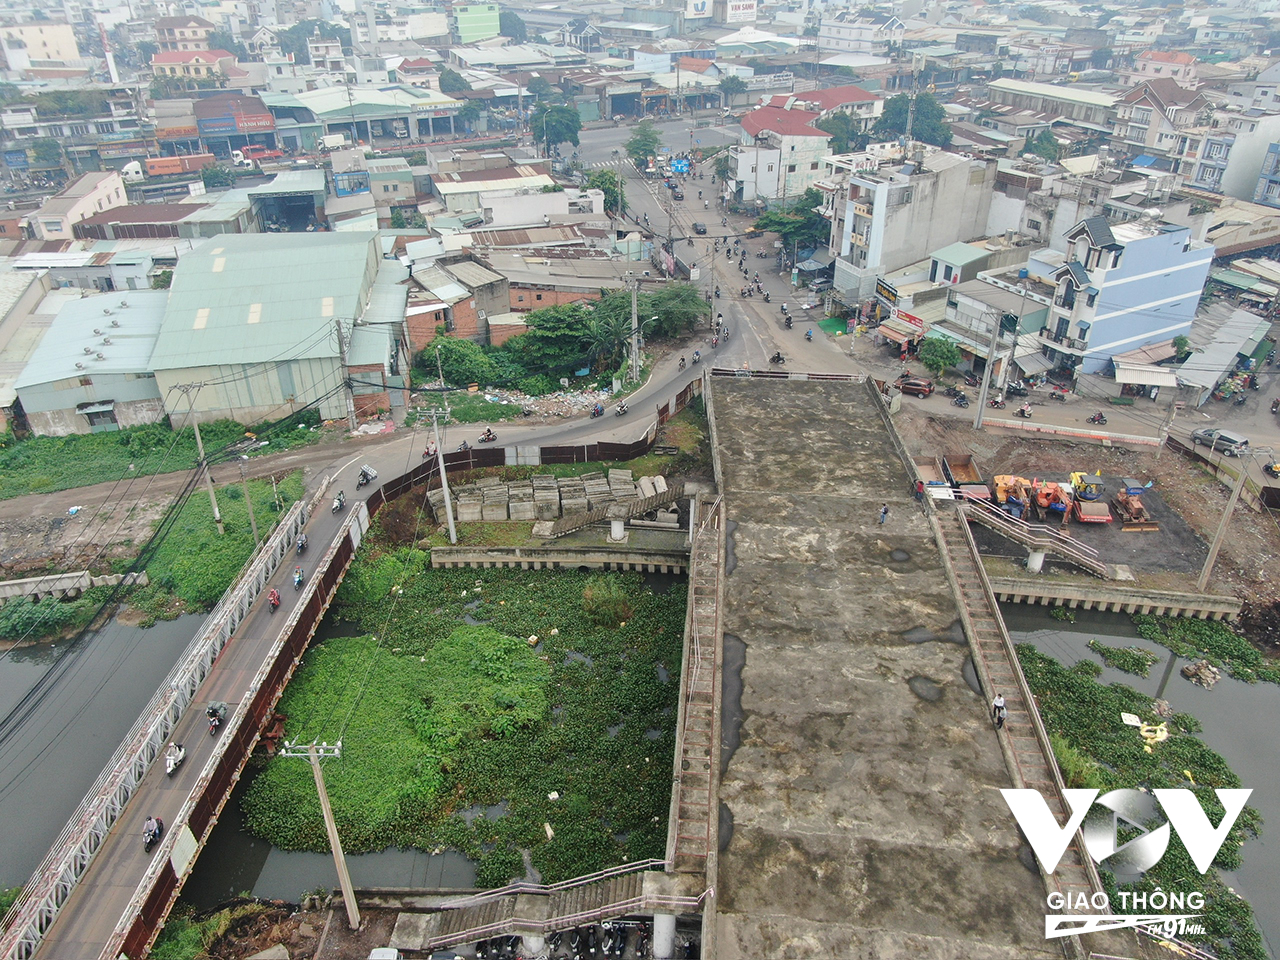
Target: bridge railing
525,886
183,841
53,881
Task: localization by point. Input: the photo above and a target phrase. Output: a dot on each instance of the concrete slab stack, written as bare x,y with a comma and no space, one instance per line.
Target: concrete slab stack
546,497
495,500
520,501
573,496
622,485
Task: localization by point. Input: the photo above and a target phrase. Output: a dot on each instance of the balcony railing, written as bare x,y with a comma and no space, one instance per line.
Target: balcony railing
1064,301
1063,342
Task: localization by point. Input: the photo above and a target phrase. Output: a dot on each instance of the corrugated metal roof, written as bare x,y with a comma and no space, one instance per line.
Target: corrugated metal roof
960,254
253,298
72,339
383,320
292,181
440,284
472,274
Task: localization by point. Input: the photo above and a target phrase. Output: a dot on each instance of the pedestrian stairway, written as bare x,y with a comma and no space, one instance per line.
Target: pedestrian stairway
1036,537
695,796
1028,753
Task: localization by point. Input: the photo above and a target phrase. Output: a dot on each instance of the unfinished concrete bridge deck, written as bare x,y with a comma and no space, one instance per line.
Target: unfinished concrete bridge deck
861,815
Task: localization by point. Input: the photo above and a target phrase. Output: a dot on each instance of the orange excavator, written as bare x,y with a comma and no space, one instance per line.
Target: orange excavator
1052,497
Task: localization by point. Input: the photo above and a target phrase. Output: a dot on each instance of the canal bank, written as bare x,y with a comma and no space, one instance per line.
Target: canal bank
1232,716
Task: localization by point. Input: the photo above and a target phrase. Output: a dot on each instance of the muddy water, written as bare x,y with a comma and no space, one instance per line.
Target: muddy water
92,693
1238,721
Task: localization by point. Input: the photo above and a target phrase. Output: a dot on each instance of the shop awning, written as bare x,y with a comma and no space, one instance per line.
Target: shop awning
1033,363
897,336
1145,374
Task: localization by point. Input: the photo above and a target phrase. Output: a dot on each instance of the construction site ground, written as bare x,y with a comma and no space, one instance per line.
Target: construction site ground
1186,500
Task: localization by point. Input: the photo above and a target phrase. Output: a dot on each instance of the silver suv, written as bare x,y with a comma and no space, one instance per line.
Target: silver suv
1232,444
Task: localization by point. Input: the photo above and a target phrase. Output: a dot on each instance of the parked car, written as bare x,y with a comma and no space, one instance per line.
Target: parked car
699,228
916,386
677,194
1232,444
820,285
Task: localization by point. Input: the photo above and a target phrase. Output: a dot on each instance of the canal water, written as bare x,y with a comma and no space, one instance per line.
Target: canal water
1236,717
94,694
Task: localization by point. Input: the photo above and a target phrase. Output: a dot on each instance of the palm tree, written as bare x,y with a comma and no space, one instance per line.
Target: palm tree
606,337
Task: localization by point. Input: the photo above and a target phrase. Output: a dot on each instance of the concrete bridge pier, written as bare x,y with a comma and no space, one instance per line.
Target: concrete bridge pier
664,936
1035,561
534,945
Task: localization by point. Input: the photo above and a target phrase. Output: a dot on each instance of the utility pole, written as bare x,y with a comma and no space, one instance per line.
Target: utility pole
916,63
244,485
1221,535
314,752
986,374
444,478
346,379
189,390
634,283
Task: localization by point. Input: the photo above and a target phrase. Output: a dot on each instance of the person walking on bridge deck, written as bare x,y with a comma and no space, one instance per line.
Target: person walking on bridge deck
884,513
998,711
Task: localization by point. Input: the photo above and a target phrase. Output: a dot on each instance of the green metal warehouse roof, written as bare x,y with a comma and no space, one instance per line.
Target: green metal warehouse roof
255,298
960,254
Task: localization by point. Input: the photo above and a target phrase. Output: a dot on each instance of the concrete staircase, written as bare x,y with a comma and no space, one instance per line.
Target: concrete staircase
1024,741
1036,537
694,799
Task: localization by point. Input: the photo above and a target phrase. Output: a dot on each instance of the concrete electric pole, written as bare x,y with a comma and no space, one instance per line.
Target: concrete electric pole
189,390
313,752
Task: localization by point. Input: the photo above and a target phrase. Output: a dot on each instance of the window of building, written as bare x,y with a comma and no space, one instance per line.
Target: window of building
771,168
1091,299
86,381
538,297
814,165
386,188
946,274
1033,224
791,168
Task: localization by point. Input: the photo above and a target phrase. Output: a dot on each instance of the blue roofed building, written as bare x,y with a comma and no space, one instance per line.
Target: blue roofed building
1119,287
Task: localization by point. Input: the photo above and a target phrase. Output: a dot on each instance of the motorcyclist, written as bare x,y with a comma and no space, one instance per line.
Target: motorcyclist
297,579
173,751
464,446
597,410
808,334
150,828
622,407
682,363
697,356
489,434
302,541
341,498
273,597
777,358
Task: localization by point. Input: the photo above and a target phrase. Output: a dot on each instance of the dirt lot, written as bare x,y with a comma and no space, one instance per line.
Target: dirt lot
1186,500
92,538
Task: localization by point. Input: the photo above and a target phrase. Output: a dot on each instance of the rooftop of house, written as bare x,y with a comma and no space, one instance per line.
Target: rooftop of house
831,98
165,57
183,23
1167,56
788,123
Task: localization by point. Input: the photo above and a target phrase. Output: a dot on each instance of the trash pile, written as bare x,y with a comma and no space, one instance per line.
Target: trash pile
563,403
1202,672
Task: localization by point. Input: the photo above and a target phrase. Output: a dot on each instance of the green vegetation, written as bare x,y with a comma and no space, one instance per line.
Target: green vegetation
294,39
20,619
162,280
510,25
554,123
451,81
1210,640
196,564
846,132
610,184
731,87
929,125
47,464
563,339
551,706
218,177
188,935
1135,660
46,152
8,897
540,87
644,142
1065,614
1045,145
804,226
1095,748
938,354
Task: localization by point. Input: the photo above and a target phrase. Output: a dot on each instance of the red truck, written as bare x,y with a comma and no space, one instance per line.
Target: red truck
167,166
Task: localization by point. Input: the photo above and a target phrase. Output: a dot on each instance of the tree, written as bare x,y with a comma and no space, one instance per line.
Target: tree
144,50
610,184
1044,145
1181,347
553,124
607,334
556,340
462,361
469,113
540,87
938,354
47,152
294,40
1038,14
451,81
678,307
398,221
803,227
845,132
929,125
218,178
731,87
510,25
722,164
1100,59
162,280
644,142
222,40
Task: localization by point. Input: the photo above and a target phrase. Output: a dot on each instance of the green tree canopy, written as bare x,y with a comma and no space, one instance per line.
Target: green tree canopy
398,222
555,341
462,361
470,112
555,124
644,142
294,39
71,103
845,132
218,178
540,87
803,226
451,81
1044,145
47,152
1101,58
610,184
510,25
1038,14
938,354
222,40
930,121
731,87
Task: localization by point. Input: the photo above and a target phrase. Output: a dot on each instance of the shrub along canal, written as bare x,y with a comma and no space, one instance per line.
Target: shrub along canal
1231,720
495,724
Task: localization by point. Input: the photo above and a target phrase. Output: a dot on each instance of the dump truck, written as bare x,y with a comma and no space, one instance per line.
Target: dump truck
930,471
962,472
1131,510
1087,486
